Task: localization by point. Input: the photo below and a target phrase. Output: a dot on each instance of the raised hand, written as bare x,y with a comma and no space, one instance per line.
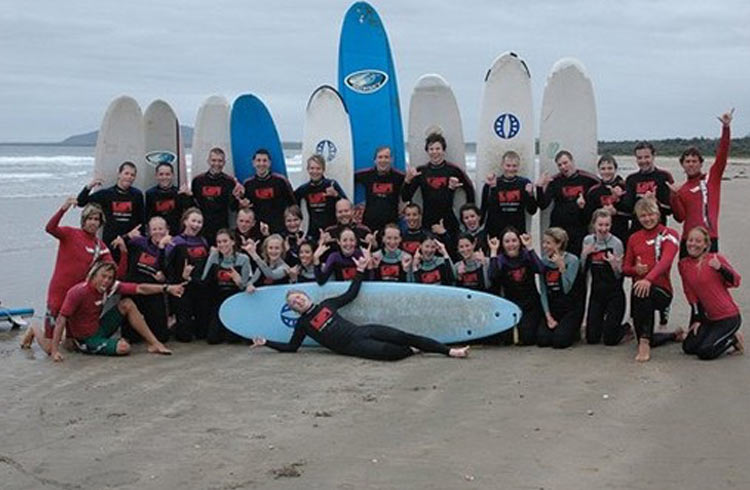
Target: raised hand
70,202
166,240
494,244
454,183
331,191
361,262
714,262
640,268
264,230
119,243
187,270
185,189
438,228
726,118
491,179
441,248
581,201
251,247
526,241
135,232
95,182
411,173
406,261
543,180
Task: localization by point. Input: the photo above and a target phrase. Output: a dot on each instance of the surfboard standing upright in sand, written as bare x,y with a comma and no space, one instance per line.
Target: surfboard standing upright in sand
252,128
211,131
120,140
163,143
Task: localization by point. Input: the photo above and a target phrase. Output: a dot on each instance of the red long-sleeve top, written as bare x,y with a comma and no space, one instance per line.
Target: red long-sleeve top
709,287
697,202
78,250
656,248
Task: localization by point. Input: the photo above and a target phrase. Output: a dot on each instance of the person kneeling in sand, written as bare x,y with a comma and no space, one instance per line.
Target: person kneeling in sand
323,323
91,332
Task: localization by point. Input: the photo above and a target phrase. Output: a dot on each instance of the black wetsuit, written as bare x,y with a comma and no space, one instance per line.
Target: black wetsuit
193,308
601,195
321,208
213,194
639,183
506,204
325,325
123,211
145,260
382,191
269,197
169,204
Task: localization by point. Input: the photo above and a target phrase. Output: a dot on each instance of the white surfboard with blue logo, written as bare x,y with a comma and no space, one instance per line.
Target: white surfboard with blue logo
568,121
211,131
447,314
163,143
506,120
433,109
120,139
367,83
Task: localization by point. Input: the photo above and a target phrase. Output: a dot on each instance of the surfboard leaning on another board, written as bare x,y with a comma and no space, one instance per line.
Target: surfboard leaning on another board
162,144
367,83
252,128
120,140
568,121
211,131
444,313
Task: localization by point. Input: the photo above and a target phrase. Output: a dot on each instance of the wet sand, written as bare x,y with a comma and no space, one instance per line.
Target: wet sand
229,417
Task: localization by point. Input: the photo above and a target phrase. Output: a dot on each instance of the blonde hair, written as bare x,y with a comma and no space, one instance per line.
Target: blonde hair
599,213
646,205
702,231
101,265
558,235
264,247
319,160
90,209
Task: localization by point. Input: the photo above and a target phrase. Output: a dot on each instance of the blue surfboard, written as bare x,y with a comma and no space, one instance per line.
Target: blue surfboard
15,316
252,128
367,82
444,313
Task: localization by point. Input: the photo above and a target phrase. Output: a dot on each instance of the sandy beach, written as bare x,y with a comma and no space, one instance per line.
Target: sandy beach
229,417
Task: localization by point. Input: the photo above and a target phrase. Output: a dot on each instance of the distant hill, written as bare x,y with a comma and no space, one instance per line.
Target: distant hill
89,139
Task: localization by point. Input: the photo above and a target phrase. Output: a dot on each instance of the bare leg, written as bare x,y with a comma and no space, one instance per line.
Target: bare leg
459,351
136,320
644,350
36,332
28,338
739,344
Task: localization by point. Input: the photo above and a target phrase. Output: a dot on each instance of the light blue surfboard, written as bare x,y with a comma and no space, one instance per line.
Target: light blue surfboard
444,313
252,128
367,82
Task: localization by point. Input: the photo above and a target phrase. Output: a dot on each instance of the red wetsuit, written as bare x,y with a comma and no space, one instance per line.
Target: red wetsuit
708,287
656,248
83,307
697,201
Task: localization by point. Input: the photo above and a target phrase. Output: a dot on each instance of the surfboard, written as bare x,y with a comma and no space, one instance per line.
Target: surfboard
433,109
252,128
211,131
120,140
506,120
163,143
447,314
568,121
367,83
16,316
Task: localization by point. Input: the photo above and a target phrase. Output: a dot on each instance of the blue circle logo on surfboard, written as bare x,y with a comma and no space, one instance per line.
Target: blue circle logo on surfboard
366,81
288,316
507,126
158,157
327,149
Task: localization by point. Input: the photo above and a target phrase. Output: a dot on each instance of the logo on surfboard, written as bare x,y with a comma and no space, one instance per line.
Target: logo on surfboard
327,149
366,81
507,126
288,316
155,158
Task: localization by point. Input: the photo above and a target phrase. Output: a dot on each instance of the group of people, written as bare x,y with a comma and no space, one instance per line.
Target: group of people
179,258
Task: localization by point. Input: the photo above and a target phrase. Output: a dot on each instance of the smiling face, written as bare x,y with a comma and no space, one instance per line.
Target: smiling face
157,229
510,167
470,219
696,243
193,224
602,226
550,246
347,242
692,165
298,301
126,177
216,162
225,244
648,219
344,211
262,164
92,223
103,279
314,170
245,220
383,160
164,176
428,248
274,249
511,244
645,159
305,254
292,223
413,218
465,248
607,171
565,165
391,239
436,152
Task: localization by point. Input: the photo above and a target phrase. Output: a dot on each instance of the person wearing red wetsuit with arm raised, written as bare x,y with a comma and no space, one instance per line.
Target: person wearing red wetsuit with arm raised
697,201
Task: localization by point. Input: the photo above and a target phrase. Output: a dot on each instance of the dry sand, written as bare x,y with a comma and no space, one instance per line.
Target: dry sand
228,418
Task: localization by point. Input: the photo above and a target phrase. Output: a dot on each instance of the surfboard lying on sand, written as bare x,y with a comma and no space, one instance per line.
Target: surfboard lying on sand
433,109
211,131
252,128
447,314
16,316
163,143
568,121
120,140
367,83
506,120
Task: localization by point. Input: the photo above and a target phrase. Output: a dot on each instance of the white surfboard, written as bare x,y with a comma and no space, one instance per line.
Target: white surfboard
211,131
163,143
433,109
568,121
120,139
328,132
506,120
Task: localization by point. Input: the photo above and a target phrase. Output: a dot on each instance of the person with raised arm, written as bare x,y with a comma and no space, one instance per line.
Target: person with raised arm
216,194
506,199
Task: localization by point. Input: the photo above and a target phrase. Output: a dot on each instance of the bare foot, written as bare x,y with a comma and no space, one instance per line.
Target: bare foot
159,348
644,351
28,338
739,344
679,334
459,351
629,335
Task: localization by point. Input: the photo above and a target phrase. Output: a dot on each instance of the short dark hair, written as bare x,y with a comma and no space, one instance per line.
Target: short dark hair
564,153
262,151
379,149
691,152
164,164
606,159
435,138
127,164
413,205
217,151
469,206
644,145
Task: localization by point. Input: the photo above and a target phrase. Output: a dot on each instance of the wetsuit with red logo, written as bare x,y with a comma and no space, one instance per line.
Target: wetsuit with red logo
360,231
382,191
411,239
474,275
437,270
437,197
213,194
269,197
697,201
505,204
707,291
562,296
273,273
169,204
76,254
123,209
602,195
607,299
321,207
192,309
341,266
563,193
390,266
146,260
656,248
638,184
514,277
324,324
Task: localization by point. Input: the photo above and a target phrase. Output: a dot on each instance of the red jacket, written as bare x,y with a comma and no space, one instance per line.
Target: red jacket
708,287
655,248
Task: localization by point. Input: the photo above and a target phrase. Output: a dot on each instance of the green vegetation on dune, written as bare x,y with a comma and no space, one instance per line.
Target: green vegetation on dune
675,146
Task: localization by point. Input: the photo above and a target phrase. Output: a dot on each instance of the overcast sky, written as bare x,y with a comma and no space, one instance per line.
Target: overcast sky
660,68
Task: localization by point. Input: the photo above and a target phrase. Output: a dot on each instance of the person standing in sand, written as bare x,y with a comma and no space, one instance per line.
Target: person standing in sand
324,324
697,201
267,193
216,194
382,185
715,318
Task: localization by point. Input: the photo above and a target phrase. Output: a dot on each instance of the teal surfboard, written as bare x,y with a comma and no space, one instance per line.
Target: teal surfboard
445,313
